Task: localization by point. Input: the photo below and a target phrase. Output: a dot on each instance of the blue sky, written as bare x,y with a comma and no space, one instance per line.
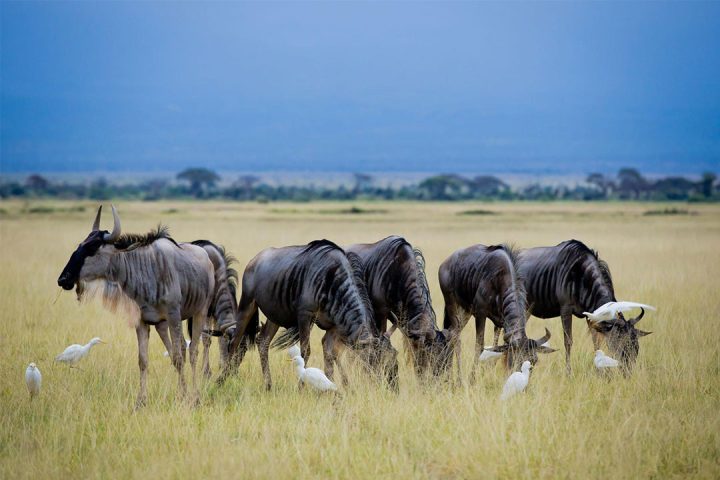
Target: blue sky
452,87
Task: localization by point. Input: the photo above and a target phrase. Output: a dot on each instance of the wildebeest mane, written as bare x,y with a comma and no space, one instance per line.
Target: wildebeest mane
230,272
324,244
423,284
576,249
136,240
358,270
518,288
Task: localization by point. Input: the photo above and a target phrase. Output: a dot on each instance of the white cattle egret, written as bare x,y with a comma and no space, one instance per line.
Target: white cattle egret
610,310
294,351
74,353
33,379
603,361
517,382
187,345
488,355
313,376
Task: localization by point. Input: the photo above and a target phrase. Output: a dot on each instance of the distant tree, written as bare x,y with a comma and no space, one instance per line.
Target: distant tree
37,182
199,179
363,182
444,187
604,184
631,183
708,184
242,189
488,186
673,188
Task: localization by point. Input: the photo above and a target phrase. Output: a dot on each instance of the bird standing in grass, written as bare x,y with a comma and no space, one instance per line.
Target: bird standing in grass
33,379
313,376
603,362
74,353
517,382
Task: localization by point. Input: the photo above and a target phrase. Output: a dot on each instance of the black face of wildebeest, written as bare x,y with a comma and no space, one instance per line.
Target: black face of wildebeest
622,338
525,349
89,247
440,354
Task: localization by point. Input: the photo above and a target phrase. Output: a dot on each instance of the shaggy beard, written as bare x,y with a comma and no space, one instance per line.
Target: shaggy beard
112,297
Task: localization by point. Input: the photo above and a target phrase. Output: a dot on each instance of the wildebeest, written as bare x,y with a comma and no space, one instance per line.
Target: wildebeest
398,289
483,281
298,286
224,305
163,281
569,279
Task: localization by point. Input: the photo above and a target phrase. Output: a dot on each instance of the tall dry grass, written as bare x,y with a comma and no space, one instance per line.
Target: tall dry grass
662,422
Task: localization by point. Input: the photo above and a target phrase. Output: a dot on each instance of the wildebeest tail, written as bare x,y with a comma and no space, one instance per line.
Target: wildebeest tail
287,339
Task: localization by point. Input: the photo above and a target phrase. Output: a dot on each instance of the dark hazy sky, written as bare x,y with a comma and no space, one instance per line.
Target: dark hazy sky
467,87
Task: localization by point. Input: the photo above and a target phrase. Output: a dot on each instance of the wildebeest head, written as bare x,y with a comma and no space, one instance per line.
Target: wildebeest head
381,357
439,352
78,267
621,337
522,349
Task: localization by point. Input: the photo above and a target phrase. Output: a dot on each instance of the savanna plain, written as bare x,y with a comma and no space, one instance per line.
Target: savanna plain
661,422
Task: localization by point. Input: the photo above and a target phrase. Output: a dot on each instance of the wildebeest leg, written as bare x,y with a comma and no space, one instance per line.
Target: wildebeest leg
223,345
305,322
455,320
143,335
266,335
238,345
328,344
194,346
207,342
595,335
178,350
496,336
566,316
479,343
162,330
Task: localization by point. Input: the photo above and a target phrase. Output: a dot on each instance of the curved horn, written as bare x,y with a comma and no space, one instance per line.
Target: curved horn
633,321
394,318
545,338
96,224
115,234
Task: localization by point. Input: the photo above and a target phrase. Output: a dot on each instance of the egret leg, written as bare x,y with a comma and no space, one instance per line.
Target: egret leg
143,336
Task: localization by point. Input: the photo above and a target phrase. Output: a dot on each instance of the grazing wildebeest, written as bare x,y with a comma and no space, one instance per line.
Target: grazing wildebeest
163,281
298,286
569,279
398,289
224,305
484,282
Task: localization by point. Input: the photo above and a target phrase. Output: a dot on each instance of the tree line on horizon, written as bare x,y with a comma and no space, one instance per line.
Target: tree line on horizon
202,183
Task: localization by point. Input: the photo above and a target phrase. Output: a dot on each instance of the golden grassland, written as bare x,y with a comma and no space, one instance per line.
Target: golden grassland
662,422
